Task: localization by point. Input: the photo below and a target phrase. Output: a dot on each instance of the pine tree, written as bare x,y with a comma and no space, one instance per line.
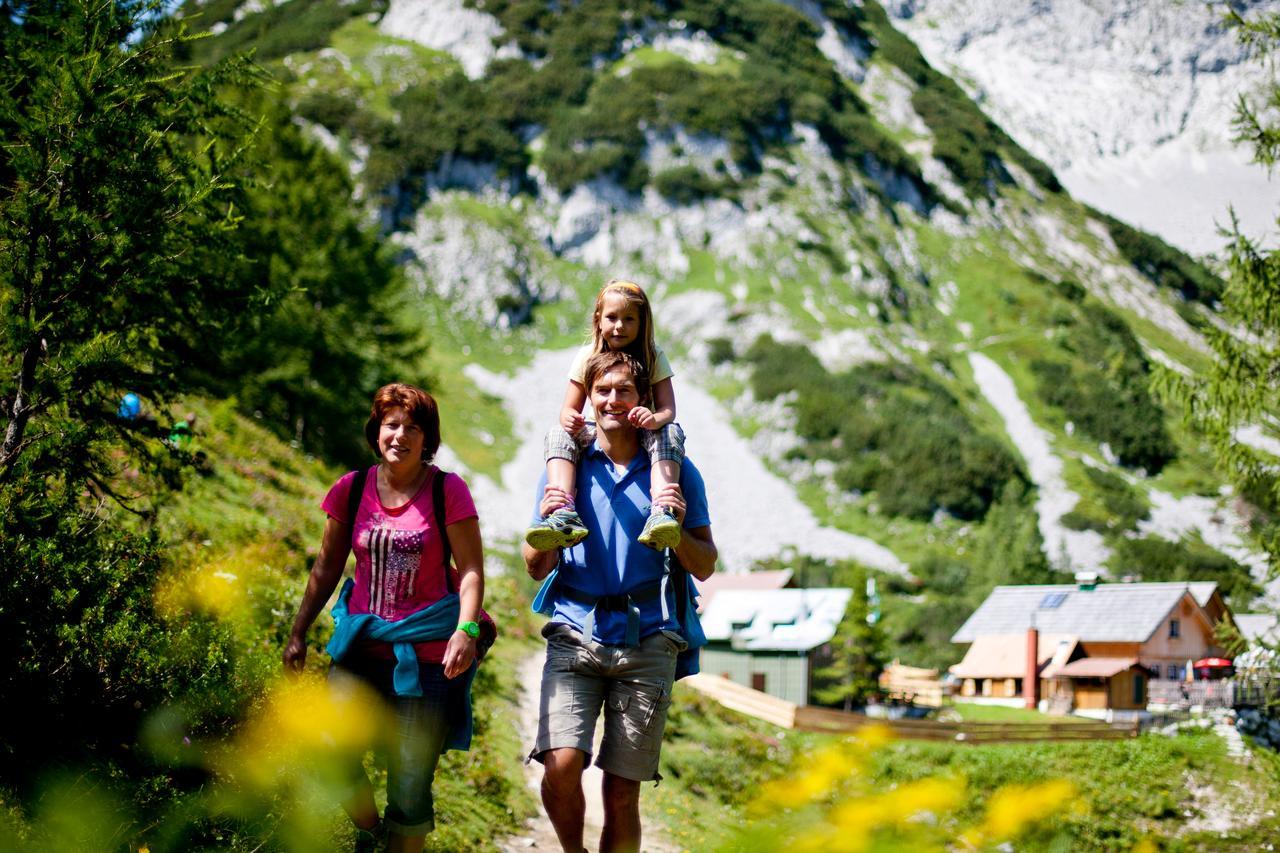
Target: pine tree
857,654
1242,386
117,225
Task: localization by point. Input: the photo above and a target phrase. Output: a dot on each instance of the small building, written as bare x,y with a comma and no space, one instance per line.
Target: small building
771,639
1090,647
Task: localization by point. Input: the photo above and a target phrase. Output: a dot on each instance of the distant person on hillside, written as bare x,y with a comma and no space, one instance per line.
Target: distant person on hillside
620,615
622,321
407,623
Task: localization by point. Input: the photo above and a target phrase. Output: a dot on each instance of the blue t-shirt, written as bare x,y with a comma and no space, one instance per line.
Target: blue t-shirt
614,507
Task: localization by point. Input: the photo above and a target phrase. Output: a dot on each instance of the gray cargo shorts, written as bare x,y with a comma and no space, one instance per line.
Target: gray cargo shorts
633,685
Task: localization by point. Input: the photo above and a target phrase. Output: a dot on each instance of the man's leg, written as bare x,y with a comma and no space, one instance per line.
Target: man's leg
621,833
562,795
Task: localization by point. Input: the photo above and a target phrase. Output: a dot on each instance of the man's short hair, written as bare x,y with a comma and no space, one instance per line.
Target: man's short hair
602,362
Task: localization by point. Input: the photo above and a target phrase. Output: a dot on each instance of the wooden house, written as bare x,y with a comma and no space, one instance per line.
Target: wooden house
1089,647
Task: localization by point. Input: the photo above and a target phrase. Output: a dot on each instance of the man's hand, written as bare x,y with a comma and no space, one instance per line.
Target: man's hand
459,654
553,498
671,497
295,654
572,420
643,418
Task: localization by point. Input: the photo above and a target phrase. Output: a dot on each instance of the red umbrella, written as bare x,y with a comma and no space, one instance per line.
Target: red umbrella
1211,663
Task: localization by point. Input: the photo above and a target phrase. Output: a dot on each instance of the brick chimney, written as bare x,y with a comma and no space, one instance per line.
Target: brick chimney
1031,678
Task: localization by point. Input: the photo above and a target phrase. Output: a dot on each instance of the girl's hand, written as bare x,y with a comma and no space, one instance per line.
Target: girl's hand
672,497
553,497
643,418
459,654
572,421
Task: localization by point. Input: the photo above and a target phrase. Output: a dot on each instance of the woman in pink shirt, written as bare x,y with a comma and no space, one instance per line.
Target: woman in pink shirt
401,580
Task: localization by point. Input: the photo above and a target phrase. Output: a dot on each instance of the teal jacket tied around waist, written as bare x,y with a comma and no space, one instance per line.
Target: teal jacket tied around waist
435,622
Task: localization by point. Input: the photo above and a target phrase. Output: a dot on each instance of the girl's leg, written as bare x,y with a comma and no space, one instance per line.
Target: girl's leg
666,454
562,528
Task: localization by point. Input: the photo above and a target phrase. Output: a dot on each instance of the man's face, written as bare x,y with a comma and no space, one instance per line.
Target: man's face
613,394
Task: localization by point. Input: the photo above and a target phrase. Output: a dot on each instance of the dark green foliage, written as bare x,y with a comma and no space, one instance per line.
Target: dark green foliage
118,265
1104,389
850,677
969,143
1156,559
892,430
1120,499
335,112
280,29
1164,265
720,351
308,360
87,657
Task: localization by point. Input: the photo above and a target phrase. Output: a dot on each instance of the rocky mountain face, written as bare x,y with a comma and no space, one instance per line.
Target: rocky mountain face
1130,102
898,339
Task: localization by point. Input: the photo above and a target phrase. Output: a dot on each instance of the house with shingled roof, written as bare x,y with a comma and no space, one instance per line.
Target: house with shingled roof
769,638
1088,647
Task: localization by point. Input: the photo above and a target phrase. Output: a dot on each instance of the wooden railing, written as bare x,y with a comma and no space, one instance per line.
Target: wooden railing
1219,693
788,715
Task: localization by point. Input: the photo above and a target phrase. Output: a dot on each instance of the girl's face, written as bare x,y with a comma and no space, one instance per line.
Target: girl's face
399,438
619,321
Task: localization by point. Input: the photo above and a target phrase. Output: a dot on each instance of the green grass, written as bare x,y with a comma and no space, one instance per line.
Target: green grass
978,713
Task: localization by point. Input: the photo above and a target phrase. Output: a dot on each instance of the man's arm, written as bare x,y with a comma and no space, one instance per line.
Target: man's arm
697,552
540,563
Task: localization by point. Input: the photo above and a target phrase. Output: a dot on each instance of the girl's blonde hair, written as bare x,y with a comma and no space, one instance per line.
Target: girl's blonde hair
642,348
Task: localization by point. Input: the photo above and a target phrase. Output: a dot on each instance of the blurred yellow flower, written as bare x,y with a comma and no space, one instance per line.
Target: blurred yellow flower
1013,808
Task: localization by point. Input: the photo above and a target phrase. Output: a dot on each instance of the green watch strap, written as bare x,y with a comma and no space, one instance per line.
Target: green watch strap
471,629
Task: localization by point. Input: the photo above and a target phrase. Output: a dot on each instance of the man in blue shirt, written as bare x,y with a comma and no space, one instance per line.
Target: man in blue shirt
614,636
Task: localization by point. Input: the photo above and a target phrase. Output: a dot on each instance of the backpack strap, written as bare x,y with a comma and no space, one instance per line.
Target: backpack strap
353,499
437,506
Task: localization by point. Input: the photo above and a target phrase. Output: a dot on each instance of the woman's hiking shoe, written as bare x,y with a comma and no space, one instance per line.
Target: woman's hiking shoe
371,840
562,529
661,530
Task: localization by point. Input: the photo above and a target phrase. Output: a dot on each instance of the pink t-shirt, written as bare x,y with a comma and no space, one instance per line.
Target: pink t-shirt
399,553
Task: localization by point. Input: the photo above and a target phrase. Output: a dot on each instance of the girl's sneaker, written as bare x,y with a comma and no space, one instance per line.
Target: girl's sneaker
562,529
661,530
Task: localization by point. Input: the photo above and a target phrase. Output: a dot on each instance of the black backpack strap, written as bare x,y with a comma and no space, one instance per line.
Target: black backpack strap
353,499
678,577
437,505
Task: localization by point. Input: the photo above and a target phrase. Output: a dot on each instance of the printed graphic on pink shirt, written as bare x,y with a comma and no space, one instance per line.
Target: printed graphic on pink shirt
394,559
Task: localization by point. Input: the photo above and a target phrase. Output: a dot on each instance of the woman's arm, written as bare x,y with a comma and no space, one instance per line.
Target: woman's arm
468,554
664,408
324,577
575,397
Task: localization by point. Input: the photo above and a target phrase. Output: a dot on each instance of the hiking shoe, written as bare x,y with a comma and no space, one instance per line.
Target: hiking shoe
562,529
661,530
371,840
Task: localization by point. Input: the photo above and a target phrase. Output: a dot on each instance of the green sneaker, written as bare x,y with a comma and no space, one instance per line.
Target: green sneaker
562,529
661,530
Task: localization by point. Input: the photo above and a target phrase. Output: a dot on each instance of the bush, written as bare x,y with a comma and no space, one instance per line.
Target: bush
890,429
1104,389
1164,265
1156,559
720,351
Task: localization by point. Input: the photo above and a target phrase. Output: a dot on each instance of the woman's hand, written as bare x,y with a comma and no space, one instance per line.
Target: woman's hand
572,420
459,654
295,654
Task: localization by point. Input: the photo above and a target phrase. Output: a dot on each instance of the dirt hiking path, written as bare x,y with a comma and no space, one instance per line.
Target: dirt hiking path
539,834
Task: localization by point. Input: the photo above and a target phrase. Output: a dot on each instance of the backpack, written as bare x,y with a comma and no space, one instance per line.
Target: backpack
488,628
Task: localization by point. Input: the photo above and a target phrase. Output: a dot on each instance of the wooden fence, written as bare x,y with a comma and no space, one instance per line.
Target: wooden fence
788,715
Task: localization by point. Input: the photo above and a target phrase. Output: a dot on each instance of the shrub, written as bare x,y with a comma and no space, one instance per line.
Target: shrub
1156,559
720,351
1164,265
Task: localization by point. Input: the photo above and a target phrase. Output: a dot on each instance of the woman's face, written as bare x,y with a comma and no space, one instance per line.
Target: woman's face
399,438
619,321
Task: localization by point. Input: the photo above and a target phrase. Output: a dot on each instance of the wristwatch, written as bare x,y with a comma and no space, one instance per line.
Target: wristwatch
471,629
